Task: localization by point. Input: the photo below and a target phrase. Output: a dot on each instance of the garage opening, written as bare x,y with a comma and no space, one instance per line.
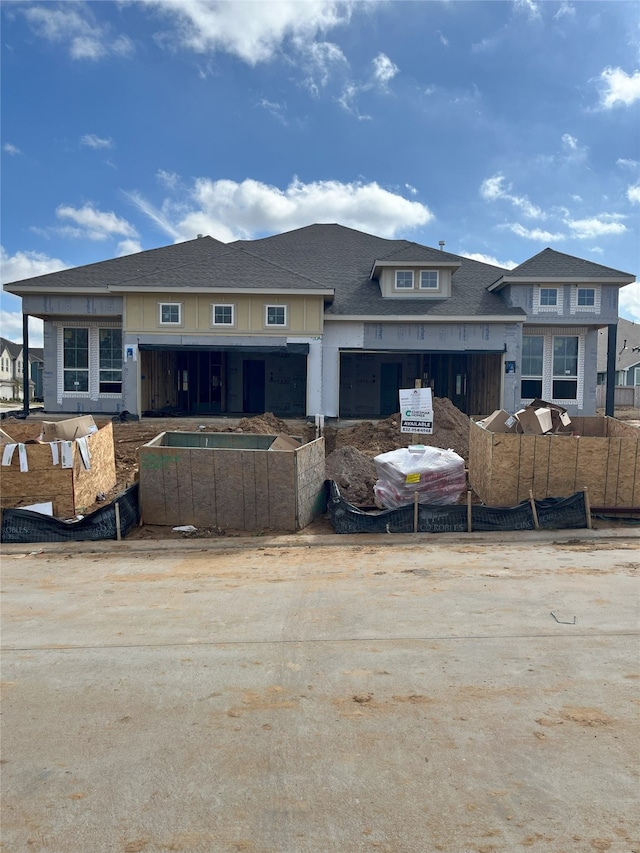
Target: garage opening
201,381
370,381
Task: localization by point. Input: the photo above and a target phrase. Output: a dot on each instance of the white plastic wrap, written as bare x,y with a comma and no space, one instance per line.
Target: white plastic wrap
437,476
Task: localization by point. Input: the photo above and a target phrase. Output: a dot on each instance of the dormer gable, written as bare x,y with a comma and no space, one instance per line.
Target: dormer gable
551,267
415,272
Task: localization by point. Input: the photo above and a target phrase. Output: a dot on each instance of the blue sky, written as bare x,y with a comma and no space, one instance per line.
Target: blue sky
498,127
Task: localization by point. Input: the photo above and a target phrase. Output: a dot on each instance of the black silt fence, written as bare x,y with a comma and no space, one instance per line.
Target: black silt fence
553,514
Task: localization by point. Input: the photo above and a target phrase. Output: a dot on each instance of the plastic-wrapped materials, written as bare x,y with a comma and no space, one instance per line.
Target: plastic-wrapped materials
437,475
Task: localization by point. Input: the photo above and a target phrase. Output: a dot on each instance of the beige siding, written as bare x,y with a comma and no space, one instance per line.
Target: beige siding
304,314
388,279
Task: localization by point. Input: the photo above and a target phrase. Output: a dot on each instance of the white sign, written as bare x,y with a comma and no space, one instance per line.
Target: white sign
416,410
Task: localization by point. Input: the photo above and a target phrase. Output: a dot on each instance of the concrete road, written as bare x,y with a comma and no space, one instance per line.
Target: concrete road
327,695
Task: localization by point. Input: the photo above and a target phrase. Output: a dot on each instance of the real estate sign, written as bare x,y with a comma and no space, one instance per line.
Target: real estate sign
416,410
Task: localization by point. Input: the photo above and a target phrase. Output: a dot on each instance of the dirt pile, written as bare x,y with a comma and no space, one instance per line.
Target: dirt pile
450,431
355,474
267,424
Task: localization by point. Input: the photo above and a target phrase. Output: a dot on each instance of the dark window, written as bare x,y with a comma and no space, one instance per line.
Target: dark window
110,361
76,359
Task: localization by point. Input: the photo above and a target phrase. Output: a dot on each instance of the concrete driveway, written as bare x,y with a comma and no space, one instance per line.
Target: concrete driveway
323,695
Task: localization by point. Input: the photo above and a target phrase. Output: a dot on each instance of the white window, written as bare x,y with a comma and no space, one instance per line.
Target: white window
404,279
565,367
532,366
110,356
548,297
170,313
586,297
75,351
275,315
223,315
428,279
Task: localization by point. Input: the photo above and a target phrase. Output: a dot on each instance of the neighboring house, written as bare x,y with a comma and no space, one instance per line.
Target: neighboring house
320,320
36,372
11,367
627,354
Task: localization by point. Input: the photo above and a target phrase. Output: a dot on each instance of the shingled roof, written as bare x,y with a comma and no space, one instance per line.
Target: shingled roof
120,271
549,265
343,258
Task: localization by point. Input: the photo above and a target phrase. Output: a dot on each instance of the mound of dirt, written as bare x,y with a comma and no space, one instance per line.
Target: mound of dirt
450,431
355,474
267,424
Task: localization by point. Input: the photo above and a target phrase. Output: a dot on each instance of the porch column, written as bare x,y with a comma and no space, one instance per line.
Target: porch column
25,366
611,369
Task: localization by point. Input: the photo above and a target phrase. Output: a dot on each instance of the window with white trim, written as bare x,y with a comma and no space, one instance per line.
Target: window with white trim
223,315
110,361
532,366
275,315
170,313
404,279
428,279
586,297
565,367
75,355
548,297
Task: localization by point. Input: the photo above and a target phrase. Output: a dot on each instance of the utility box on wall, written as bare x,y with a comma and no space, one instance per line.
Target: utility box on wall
602,454
231,480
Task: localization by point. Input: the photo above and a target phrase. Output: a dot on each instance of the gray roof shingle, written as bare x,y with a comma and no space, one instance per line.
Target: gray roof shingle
549,263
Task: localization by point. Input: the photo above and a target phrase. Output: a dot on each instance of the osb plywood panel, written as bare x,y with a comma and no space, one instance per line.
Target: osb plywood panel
71,490
310,477
282,490
480,461
101,477
505,469
620,429
591,467
563,456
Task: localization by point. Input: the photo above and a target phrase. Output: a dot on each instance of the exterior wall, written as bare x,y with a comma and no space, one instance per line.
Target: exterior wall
388,281
585,404
337,336
436,337
61,306
141,312
58,400
524,296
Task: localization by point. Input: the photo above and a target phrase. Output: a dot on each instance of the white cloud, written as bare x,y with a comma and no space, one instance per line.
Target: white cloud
633,194
604,225
12,328
493,188
489,259
534,233
276,110
565,10
320,60
94,224
621,88
254,31
74,25
229,210
128,247
384,70
528,6
573,151
91,140
629,302
11,149
27,265
347,100
443,40
627,164
169,179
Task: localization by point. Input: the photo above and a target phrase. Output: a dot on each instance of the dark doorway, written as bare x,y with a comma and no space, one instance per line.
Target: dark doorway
390,384
253,386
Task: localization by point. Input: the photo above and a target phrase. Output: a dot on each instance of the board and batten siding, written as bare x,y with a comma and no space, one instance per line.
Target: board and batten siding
304,313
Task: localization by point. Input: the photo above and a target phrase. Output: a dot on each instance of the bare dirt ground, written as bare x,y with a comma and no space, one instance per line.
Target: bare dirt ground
350,449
